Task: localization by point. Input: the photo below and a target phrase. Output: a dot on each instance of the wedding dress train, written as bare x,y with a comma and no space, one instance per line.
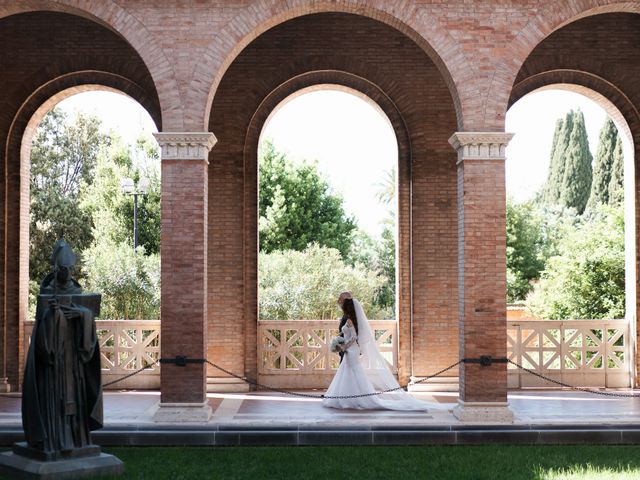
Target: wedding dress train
364,370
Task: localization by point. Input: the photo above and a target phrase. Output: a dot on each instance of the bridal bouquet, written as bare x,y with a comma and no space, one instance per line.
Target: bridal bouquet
335,341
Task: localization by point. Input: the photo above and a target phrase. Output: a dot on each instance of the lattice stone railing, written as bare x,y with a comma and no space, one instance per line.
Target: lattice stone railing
125,346
295,353
588,353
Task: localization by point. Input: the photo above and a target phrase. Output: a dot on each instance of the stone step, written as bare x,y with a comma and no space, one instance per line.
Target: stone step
438,384
226,385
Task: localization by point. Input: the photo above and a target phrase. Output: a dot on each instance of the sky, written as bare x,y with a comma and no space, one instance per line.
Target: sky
355,145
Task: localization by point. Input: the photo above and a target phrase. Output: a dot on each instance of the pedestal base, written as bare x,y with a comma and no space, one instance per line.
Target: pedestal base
483,412
17,466
182,413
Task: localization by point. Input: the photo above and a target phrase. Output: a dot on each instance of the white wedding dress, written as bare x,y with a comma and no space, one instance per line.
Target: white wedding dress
364,370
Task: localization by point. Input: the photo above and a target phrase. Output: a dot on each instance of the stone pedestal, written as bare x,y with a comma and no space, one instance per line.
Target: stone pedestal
483,412
183,413
27,463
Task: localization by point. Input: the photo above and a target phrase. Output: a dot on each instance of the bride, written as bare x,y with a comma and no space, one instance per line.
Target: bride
364,370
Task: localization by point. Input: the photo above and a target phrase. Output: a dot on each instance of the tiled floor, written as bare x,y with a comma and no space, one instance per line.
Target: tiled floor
530,407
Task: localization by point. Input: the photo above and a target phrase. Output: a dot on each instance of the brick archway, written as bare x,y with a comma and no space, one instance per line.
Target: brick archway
372,94
433,38
118,20
423,114
19,143
550,21
35,75
594,50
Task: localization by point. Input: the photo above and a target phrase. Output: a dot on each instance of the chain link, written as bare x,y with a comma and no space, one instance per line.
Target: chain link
334,397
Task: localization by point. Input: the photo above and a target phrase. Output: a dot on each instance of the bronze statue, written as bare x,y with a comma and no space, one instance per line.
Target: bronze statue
62,391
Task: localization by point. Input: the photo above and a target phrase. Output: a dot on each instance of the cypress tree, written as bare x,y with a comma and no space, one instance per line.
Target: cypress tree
561,135
616,184
577,175
603,166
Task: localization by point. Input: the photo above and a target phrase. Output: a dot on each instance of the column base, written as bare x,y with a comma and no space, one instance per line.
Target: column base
5,387
483,412
183,413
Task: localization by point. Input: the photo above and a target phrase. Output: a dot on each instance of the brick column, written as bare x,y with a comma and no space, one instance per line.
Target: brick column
482,274
185,165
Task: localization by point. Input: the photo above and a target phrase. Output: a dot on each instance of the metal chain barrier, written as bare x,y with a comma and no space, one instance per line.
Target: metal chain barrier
335,397
579,389
483,360
135,372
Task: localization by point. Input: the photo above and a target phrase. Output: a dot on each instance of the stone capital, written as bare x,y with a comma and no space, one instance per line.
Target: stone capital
480,145
185,145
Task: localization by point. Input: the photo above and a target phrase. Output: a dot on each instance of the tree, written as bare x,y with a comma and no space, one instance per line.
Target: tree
297,207
576,182
525,258
569,180
603,166
387,187
586,279
303,285
111,209
128,281
616,184
559,144
63,159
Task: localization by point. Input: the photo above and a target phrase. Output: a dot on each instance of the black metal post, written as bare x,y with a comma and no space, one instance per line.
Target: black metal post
135,221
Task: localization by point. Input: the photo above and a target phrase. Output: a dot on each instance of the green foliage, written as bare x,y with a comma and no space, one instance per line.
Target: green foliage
111,209
525,249
576,182
534,232
569,181
553,185
297,207
305,285
608,173
386,250
63,159
603,164
586,279
128,281
616,184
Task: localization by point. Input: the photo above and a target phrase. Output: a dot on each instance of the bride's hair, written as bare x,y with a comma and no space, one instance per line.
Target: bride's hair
350,311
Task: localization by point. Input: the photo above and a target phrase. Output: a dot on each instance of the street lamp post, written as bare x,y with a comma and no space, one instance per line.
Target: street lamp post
129,187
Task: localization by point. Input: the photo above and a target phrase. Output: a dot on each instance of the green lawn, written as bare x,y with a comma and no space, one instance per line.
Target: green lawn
363,463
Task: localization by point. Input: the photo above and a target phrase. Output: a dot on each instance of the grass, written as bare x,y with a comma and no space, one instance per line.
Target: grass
363,463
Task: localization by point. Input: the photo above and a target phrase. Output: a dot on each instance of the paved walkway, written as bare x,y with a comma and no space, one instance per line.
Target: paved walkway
273,418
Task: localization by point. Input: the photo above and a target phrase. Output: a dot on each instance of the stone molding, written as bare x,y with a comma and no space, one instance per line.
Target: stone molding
480,145
185,145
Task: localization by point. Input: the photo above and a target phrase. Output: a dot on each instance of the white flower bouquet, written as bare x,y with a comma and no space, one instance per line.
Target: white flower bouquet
335,343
